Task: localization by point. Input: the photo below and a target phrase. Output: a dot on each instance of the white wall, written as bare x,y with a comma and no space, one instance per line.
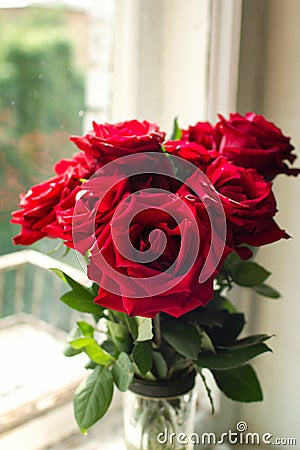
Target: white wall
279,85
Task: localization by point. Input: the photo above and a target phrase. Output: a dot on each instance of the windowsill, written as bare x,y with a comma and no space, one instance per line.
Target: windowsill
106,434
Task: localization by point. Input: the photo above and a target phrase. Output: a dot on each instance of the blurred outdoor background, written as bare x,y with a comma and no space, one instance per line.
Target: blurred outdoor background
65,63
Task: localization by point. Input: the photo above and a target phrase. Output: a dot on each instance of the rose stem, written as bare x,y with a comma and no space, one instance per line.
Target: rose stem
157,338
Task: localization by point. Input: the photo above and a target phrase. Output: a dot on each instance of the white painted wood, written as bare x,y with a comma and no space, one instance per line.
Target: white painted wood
125,64
17,259
224,57
161,60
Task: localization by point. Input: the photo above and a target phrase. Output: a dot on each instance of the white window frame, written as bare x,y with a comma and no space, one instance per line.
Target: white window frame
224,57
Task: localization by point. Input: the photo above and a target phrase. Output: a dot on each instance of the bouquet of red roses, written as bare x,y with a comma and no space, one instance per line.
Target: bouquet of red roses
168,226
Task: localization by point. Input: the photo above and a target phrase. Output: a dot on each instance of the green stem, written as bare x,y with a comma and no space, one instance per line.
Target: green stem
157,337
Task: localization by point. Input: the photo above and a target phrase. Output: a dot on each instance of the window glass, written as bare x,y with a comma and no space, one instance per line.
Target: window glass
48,78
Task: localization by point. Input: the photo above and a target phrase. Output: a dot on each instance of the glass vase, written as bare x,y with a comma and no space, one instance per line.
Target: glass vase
159,415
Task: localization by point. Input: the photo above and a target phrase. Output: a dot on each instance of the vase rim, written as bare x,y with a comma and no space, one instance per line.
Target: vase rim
163,389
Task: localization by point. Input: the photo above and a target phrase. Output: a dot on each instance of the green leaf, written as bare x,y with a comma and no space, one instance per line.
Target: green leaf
67,279
220,303
108,346
81,302
232,259
60,274
80,298
177,132
95,289
98,355
267,291
142,356
93,397
206,342
93,350
122,372
74,334
240,384
132,326
233,326
144,329
248,341
228,359
90,365
81,342
249,274
85,328
149,375
120,336
160,365
70,351
206,316
184,338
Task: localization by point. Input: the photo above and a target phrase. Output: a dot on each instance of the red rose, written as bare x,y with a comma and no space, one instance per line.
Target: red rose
110,141
39,215
185,292
203,134
254,142
248,202
107,188
191,151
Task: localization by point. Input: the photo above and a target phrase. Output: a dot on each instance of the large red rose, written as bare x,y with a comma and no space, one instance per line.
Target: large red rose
111,141
251,141
248,202
186,293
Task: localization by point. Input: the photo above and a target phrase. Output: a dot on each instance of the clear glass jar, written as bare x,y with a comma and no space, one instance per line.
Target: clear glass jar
156,423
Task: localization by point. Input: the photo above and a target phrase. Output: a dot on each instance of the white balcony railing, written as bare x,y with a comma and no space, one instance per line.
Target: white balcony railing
28,286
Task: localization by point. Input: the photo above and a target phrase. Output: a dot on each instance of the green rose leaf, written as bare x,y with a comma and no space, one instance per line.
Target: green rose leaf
184,338
85,328
93,350
233,326
81,342
232,259
142,356
132,326
70,351
249,274
239,384
176,133
81,301
80,298
74,334
248,341
93,397
120,336
160,365
220,303
267,291
230,358
207,317
122,372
